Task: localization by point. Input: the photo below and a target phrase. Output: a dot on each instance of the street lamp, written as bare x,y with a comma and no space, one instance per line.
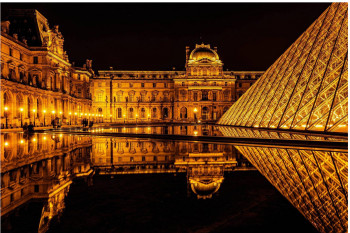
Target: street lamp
195,110
21,110
124,118
44,111
70,118
34,110
136,117
75,117
6,109
149,116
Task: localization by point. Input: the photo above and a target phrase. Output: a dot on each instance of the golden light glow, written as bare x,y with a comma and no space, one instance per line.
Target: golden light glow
44,111
195,133
53,111
6,143
6,108
70,113
75,113
34,139
60,113
195,110
44,138
21,109
22,141
34,110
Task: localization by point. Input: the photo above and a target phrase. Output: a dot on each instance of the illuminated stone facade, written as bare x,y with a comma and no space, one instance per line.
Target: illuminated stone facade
201,93
38,83
307,87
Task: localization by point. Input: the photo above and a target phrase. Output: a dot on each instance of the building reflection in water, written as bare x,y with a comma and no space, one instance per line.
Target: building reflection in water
42,166
186,129
205,163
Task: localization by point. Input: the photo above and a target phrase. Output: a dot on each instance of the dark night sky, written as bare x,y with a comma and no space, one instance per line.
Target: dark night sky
153,36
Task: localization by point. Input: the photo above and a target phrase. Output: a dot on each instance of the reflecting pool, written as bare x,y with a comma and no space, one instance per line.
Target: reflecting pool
65,182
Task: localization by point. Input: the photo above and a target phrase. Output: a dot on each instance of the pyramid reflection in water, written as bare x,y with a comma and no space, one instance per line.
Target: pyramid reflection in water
314,181
306,88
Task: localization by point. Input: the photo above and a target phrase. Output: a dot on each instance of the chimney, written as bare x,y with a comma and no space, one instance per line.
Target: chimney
187,54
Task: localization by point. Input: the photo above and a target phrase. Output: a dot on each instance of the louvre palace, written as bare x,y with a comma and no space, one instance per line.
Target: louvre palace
40,84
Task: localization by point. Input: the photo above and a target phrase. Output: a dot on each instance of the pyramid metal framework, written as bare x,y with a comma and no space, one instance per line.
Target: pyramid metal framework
314,181
307,87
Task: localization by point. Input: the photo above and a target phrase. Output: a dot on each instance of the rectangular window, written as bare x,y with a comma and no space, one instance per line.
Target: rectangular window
239,84
36,188
195,96
143,97
35,60
10,52
154,84
120,113
165,85
21,56
119,97
214,96
143,158
142,85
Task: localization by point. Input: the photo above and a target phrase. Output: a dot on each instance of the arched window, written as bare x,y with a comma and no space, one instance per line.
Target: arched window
183,113
131,113
29,107
38,107
19,102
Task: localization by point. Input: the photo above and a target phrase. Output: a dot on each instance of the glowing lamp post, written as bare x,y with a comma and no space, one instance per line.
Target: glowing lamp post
21,110
34,110
149,117
70,118
6,115
75,117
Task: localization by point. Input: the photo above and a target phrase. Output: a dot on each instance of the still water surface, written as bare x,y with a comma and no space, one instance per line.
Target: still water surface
69,183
